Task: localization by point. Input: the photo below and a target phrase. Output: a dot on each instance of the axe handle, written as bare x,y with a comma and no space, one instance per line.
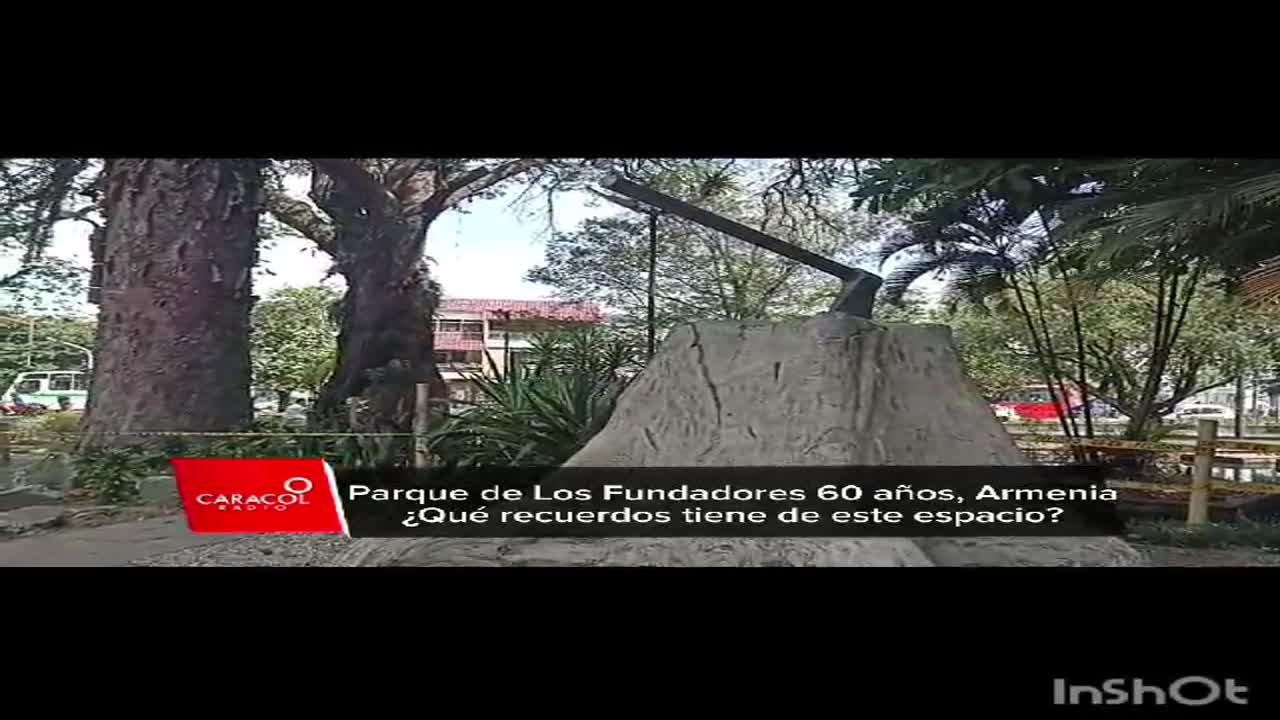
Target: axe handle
683,209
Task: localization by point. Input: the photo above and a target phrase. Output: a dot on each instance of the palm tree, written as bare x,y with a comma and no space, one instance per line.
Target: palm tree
982,237
1174,220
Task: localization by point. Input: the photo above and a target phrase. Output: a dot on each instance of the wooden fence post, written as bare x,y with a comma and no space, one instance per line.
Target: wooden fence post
421,422
1202,472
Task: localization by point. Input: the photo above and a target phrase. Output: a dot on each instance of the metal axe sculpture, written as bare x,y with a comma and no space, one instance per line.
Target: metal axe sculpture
857,298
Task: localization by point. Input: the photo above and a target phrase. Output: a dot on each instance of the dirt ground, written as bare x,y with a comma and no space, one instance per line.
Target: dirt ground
1164,556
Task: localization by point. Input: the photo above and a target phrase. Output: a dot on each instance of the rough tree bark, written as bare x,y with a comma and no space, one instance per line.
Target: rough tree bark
173,325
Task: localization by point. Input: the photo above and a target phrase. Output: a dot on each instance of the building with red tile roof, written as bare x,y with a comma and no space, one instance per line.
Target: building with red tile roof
563,310
466,329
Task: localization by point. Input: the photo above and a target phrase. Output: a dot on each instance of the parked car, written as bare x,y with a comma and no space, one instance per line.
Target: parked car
1192,412
1036,403
1004,413
1098,410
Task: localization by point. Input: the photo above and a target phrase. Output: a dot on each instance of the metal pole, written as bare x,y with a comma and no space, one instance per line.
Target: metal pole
421,425
1202,472
1239,424
506,344
88,354
31,338
653,279
1253,400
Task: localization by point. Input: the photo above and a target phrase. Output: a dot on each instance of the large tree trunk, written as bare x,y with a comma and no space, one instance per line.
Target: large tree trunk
173,325
385,345
380,213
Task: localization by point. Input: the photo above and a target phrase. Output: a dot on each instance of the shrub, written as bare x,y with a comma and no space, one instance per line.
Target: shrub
112,474
279,441
601,352
63,423
1246,533
527,419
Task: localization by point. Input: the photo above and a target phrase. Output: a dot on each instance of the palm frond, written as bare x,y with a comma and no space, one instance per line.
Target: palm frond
1220,205
964,262
897,243
979,284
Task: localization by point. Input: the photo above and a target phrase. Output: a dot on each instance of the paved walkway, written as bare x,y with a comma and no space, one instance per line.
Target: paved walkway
105,546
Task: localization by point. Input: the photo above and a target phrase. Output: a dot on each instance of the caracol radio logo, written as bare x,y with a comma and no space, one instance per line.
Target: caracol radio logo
294,493
223,495
1190,691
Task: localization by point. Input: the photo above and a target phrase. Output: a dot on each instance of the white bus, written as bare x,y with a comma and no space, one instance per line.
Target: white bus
44,387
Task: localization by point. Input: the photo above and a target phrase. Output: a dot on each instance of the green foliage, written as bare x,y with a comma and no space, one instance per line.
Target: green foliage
989,351
1248,533
45,354
294,342
1221,338
36,194
702,274
272,438
1224,210
913,307
602,352
112,474
1113,216
527,419
1060,233
981,221
58,424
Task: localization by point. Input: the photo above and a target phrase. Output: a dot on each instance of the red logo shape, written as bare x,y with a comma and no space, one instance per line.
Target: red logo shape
259,495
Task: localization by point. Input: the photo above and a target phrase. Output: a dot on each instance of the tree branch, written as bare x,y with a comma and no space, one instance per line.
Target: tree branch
81,215
17,275
1210,386
480,179
377,198
299,216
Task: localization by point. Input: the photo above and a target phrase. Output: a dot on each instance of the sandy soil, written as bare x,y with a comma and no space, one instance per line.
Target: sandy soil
1163,556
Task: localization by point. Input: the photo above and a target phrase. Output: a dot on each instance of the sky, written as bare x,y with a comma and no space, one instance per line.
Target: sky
482,252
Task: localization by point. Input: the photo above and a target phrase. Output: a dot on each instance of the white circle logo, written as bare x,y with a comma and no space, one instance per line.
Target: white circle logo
290,485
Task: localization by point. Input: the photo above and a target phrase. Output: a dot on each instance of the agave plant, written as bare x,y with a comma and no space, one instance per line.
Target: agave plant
598,352
526,419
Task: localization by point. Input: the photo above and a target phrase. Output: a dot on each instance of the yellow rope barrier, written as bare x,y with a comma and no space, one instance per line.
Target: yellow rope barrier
1156,447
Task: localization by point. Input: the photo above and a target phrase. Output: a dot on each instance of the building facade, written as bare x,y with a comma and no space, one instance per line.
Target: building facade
468,329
